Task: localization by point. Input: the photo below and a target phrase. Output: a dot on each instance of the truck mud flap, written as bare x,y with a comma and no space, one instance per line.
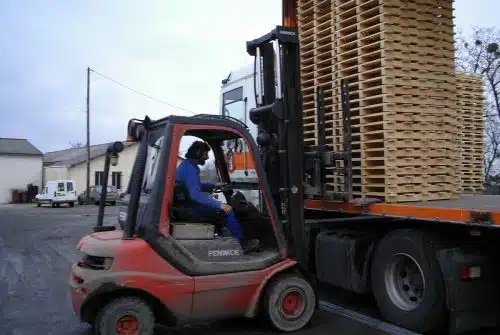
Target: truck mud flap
472,289
342,259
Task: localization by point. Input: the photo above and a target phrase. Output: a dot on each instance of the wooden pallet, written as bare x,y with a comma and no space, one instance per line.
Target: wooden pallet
470,113
398,57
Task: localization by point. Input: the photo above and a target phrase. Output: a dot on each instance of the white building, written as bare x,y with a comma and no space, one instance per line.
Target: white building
72,164
21,163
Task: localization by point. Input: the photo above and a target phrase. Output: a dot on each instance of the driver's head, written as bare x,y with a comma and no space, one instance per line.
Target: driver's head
198,152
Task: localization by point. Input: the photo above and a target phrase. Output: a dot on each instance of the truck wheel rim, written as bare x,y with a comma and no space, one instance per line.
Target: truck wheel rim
127,325
292,303
405,282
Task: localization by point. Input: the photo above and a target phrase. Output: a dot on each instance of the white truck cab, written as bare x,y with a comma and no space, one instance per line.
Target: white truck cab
237,98
57,192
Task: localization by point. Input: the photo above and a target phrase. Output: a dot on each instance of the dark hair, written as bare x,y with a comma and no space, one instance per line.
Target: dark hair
196,149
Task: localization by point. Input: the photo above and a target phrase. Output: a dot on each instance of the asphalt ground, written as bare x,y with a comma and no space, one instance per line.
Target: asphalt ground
37,247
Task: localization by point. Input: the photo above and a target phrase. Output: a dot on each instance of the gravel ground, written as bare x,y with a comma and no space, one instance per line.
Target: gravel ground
37,246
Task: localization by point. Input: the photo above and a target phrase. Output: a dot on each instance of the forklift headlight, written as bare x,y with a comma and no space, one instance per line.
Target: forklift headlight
95,262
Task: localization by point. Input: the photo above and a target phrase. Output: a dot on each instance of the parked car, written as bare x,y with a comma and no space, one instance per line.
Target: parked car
112,195
57,192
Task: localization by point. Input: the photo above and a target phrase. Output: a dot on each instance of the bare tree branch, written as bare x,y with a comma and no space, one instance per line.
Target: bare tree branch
74,145
480,53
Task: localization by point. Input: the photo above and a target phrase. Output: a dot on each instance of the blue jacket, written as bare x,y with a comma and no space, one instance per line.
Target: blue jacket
188,173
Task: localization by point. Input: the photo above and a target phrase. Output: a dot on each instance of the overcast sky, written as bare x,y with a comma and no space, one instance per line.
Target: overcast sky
176,51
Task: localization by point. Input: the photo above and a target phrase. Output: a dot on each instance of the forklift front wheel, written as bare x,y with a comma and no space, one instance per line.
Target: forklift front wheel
289,303
127,315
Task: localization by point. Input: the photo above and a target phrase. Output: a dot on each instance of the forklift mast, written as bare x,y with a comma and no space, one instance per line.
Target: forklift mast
278,117
292,170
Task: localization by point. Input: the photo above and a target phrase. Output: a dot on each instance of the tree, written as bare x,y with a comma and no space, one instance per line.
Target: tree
74,145
492,150
480,53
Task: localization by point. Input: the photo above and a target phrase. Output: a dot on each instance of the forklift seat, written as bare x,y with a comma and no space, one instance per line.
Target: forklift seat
181,213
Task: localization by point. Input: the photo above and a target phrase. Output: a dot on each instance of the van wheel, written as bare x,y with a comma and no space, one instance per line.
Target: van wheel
407,281
71,204
38,204
127,315
52,204
289,303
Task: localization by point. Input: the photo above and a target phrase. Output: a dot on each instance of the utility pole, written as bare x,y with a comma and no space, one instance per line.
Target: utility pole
88,135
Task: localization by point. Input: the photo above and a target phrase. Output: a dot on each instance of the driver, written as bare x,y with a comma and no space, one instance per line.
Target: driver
188,173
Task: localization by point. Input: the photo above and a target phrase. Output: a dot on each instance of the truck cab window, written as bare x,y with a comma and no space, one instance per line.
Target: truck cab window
233,104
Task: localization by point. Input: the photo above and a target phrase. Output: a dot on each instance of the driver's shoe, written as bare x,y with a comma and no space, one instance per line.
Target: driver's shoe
250,245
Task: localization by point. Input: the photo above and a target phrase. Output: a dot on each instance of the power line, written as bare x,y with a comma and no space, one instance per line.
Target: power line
141,93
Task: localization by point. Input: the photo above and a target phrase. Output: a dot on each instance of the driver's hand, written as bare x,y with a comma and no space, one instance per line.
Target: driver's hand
226,208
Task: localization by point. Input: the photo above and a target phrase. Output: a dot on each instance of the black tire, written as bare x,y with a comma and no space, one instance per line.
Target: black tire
297,312
134,309
407,281
52,204
38,204
71,204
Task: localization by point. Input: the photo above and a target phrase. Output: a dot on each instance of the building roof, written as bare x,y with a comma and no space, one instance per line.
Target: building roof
18,146
75,156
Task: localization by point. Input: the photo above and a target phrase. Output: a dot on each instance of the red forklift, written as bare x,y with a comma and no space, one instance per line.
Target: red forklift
170,268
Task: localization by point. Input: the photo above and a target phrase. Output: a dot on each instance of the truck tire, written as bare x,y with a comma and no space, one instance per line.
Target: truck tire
289,303
127,315
407,282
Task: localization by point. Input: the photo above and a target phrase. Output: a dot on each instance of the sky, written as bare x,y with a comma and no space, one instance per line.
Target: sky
175,51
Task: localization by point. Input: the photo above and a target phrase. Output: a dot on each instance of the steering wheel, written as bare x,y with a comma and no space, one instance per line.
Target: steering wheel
224,188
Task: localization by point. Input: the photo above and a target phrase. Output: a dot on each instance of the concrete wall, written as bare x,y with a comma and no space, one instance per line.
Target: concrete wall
16,172
125,164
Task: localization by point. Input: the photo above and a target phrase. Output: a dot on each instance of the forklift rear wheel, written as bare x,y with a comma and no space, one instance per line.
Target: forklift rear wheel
289,303
127,315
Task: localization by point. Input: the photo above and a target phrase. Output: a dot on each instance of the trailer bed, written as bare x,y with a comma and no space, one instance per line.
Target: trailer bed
471,202
469,209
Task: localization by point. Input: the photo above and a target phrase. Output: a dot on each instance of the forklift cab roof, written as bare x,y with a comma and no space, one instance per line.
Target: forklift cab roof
207,134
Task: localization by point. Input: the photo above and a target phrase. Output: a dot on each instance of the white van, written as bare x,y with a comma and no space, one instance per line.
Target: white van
57,192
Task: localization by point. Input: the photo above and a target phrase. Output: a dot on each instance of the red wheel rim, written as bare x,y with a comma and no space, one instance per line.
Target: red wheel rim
127,325
292,304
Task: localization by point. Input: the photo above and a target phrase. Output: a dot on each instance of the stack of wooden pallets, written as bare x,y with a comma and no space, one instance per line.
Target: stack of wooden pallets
471,115
398,56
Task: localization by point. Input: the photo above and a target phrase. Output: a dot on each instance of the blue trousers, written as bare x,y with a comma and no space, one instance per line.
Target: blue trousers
229,218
